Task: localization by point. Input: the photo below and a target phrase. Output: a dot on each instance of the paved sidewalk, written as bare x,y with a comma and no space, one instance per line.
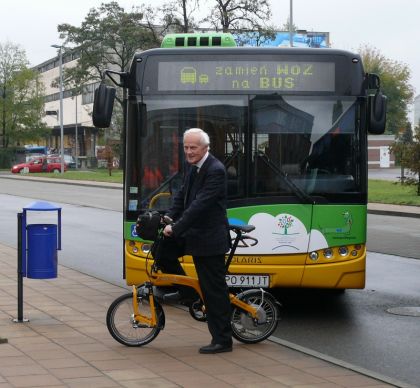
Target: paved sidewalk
66,344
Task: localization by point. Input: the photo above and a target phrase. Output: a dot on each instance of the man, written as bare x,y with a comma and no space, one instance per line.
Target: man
200,229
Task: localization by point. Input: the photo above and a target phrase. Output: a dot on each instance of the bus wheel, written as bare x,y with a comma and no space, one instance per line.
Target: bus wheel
122,325
249,330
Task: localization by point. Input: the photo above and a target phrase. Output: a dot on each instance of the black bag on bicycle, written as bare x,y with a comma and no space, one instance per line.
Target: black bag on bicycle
147,225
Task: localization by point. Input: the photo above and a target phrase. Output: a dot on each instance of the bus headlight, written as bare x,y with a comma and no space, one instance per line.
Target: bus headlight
313,256
343,251
328,253
146,248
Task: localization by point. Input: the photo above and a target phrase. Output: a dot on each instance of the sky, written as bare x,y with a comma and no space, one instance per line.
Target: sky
391,26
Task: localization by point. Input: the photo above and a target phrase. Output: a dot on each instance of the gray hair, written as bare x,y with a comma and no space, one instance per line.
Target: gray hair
205,140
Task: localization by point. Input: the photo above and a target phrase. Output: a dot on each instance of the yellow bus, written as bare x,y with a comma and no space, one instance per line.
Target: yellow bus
290,125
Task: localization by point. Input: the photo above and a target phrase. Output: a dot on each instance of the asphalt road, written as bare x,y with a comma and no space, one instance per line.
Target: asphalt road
354,327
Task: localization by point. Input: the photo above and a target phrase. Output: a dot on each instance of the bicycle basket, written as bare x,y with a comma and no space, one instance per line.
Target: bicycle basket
147,225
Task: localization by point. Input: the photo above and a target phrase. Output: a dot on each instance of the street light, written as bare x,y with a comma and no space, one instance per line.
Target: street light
60,53
291,24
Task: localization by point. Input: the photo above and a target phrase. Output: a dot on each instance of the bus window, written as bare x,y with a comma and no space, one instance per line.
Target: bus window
157,174
312,142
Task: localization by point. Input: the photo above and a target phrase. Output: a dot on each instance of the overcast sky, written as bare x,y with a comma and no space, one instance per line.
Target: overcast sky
392,26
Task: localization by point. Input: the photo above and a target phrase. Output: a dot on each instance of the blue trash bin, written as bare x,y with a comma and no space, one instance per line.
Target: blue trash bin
40,242
42,251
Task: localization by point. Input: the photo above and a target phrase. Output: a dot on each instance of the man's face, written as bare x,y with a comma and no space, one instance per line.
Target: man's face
193,148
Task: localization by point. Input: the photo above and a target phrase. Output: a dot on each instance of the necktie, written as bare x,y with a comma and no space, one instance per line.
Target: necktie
191,178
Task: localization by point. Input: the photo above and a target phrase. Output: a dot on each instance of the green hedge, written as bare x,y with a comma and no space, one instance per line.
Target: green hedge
7,157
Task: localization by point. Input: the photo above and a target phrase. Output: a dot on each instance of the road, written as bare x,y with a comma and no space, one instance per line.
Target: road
91,223
354,327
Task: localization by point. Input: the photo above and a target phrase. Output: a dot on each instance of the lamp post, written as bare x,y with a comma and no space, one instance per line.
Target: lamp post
291,24
75,136
60,53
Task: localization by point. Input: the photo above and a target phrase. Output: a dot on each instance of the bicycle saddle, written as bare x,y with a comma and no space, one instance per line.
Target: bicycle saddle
242,228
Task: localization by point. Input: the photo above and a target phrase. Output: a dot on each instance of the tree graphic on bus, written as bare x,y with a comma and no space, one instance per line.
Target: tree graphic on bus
285,222
188,75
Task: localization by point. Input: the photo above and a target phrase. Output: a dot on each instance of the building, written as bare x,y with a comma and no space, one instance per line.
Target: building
77,108
379,155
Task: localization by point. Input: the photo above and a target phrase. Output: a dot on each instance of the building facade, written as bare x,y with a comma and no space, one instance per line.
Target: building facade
80,136
379,155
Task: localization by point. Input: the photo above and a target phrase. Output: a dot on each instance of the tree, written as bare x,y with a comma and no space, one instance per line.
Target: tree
108,38
21,100
400,148
395,85
238,15
258,37
178,15
412,160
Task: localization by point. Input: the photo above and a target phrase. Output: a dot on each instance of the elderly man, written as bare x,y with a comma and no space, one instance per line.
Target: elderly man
200,229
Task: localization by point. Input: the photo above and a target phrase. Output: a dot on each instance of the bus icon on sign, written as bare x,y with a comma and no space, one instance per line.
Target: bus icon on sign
203,79
188,75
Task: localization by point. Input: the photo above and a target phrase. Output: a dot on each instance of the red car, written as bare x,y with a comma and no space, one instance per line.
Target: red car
39,164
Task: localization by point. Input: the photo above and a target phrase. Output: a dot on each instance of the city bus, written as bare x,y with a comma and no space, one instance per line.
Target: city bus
289,124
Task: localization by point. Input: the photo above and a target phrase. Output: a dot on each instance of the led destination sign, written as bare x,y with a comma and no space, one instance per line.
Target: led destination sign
246,76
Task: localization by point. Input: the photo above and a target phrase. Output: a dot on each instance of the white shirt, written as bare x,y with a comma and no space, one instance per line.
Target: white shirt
200,163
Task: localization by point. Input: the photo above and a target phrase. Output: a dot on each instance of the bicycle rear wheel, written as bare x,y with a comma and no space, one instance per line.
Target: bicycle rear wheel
122,325
249,330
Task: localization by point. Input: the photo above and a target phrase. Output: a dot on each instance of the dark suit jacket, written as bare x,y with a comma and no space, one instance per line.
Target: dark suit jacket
202,221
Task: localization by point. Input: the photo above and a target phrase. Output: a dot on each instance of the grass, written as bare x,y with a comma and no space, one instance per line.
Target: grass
382,191
98,175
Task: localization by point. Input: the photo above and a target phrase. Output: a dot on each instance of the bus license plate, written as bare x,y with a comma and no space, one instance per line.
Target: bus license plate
247,280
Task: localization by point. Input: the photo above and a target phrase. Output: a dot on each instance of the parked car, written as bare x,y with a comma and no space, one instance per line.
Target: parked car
69,160
39,164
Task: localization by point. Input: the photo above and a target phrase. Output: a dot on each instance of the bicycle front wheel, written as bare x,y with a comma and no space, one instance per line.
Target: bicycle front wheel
249,330
124,328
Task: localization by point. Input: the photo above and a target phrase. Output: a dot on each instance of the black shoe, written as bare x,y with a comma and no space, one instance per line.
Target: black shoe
215,348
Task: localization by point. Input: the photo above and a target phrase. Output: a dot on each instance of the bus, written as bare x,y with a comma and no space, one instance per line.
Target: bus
289,124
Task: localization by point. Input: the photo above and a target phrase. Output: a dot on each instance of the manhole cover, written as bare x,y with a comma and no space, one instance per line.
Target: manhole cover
410,311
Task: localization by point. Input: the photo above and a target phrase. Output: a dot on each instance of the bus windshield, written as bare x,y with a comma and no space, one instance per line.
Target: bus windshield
299,148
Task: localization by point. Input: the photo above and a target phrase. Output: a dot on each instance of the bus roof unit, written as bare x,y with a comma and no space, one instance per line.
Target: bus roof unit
198,40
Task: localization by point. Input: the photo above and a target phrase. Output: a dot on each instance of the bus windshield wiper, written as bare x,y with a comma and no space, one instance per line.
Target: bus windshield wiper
301,194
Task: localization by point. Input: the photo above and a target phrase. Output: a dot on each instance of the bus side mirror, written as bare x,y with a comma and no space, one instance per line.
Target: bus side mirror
103,105
377,113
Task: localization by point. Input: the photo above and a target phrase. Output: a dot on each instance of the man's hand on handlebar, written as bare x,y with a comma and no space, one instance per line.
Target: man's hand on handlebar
167,231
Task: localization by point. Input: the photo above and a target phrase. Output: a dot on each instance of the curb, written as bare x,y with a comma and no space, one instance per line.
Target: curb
393,213
343,364
103,185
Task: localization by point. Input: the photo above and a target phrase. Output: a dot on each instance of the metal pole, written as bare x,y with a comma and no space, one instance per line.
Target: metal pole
291,24
75,127
61,111
20,254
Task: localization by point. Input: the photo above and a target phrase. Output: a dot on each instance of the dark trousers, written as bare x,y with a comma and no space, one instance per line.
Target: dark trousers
211,275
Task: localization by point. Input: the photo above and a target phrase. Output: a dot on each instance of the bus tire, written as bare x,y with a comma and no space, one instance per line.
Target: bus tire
122,326
248,330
